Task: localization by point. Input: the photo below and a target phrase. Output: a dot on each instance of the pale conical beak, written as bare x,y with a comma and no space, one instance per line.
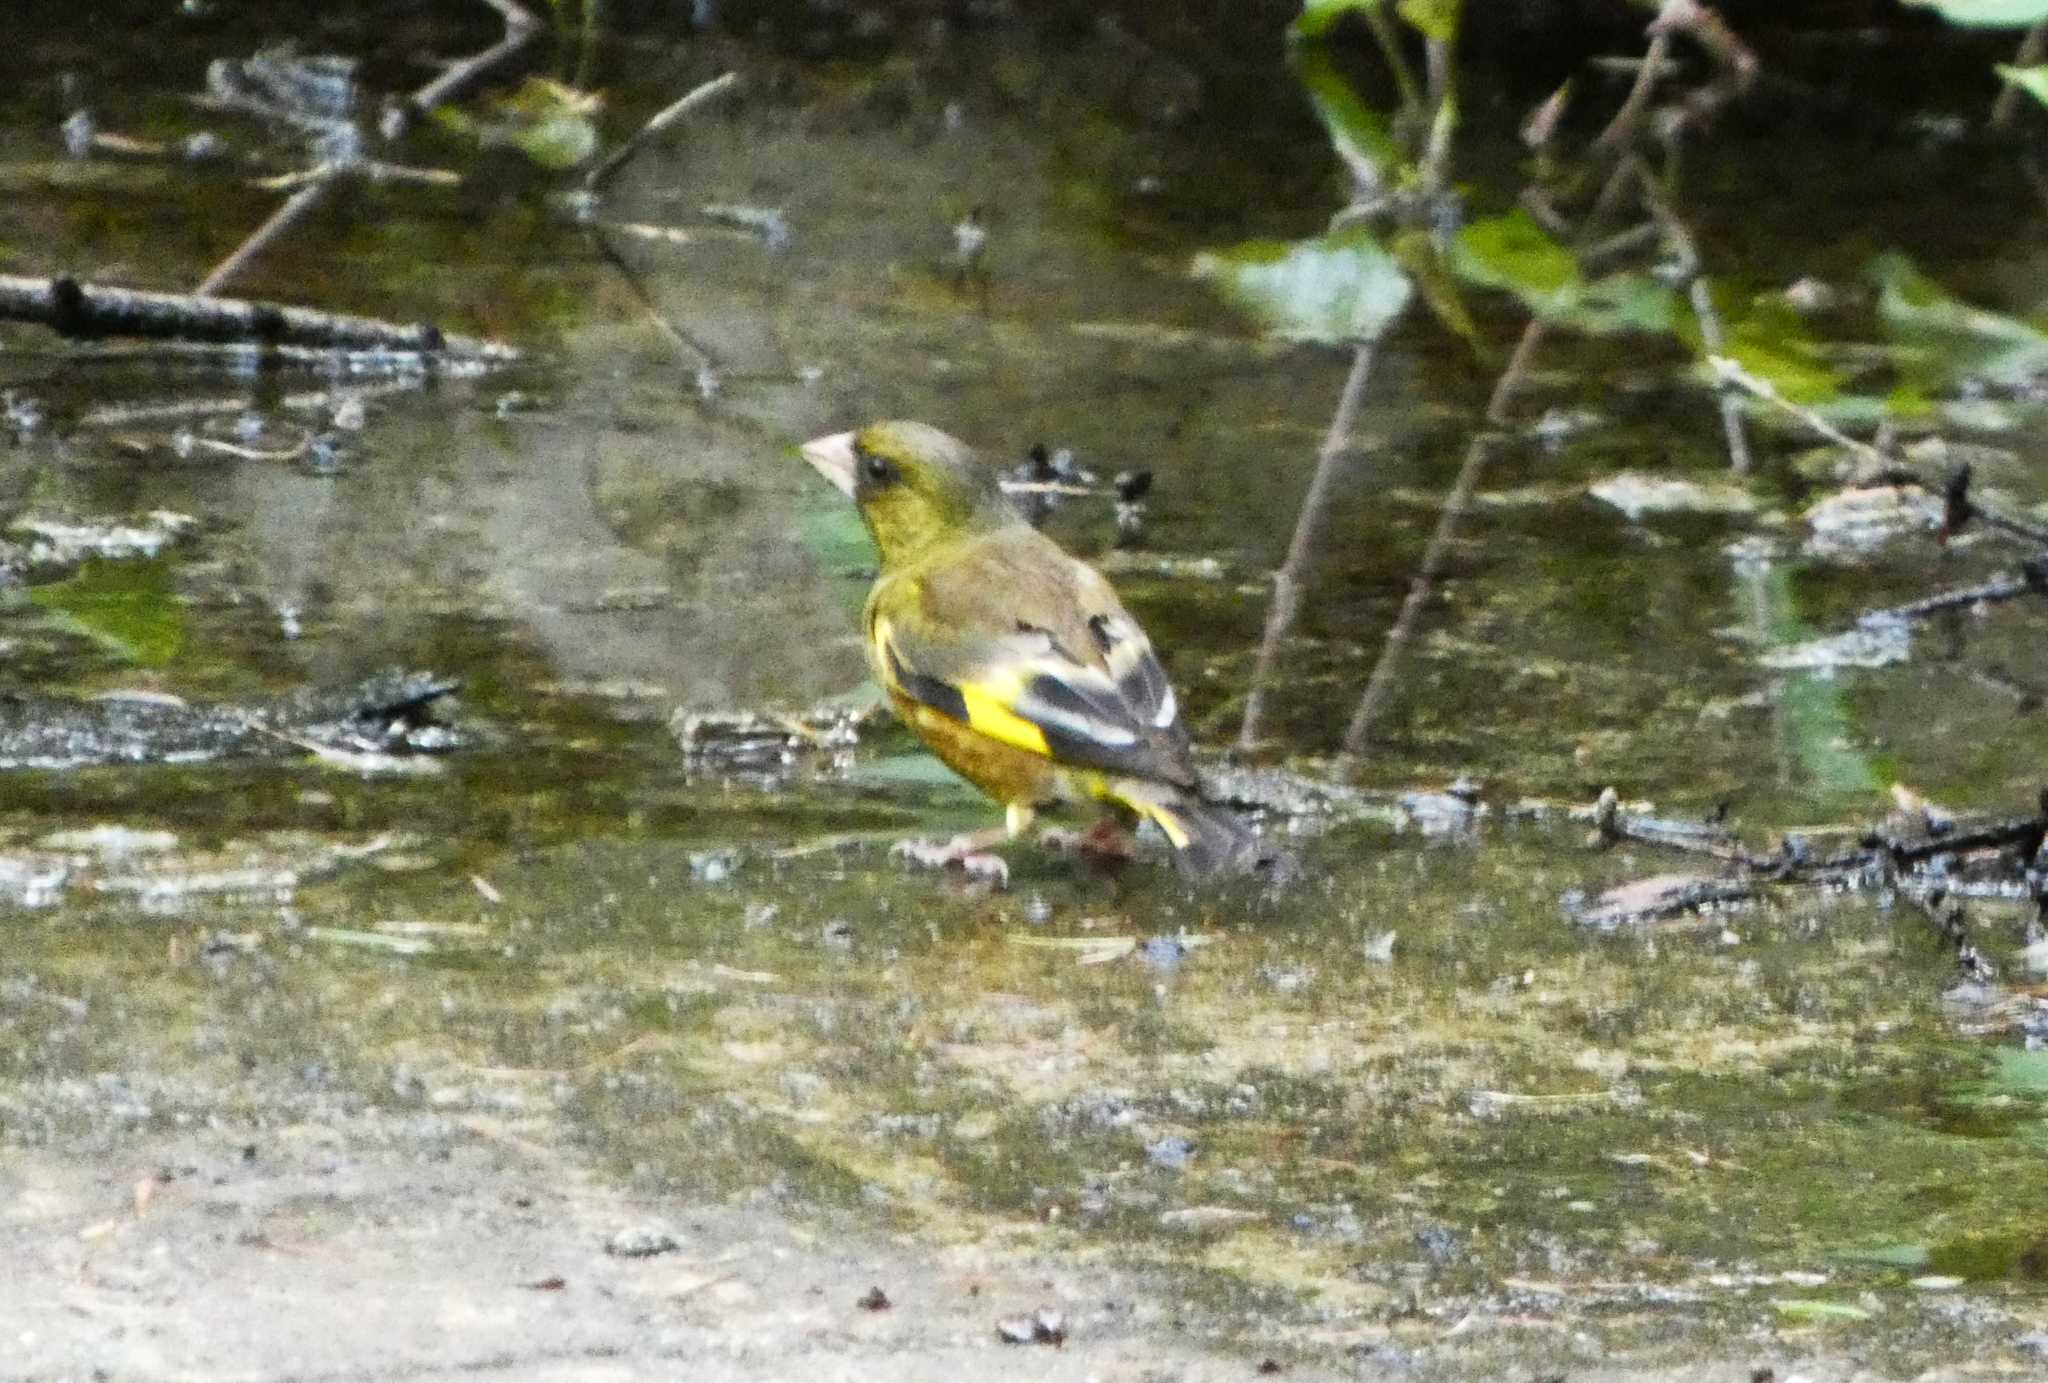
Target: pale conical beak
833,458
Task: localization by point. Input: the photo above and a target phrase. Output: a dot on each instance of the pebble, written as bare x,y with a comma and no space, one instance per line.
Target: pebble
641,1241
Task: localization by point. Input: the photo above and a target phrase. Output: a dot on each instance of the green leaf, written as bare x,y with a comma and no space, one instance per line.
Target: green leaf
1807,1309
1317,16
1942,338
1515,253
2032,80
1772,341
1335,289
1988,14
1512,252
126,607
1437,19
1362,137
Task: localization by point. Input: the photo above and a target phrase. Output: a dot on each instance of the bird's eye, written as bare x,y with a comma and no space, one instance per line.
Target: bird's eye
876,470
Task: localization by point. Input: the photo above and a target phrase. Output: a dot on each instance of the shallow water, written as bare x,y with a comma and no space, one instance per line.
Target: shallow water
1663,1139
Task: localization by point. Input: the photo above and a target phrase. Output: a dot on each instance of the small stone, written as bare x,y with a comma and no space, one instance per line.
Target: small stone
1379,949
641,1241
1171,1153
874,1299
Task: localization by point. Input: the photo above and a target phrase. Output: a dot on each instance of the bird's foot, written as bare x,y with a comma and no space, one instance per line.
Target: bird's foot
969,854
1105,842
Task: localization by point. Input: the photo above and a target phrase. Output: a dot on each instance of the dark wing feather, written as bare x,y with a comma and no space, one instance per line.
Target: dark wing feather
1031,647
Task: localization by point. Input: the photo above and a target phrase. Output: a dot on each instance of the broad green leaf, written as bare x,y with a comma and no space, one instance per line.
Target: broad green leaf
1362,137
1988,14
1437,19
1515,253
1512,252
1942,338
2032,80
126,607
1335,289
1772,341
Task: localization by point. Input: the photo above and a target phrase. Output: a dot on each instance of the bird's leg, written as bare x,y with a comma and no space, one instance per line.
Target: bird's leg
970,852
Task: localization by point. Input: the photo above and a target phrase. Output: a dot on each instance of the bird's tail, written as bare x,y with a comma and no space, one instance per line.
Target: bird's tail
1208,840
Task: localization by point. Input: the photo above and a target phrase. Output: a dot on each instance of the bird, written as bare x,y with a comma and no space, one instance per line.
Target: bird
1013,660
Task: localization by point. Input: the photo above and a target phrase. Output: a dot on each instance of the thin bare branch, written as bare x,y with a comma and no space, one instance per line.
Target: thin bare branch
294,209
693,100
1286,604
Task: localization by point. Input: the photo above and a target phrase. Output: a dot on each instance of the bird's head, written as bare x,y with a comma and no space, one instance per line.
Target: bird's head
916,486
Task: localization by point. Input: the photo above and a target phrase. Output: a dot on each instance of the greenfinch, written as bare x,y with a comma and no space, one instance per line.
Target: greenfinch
1015,662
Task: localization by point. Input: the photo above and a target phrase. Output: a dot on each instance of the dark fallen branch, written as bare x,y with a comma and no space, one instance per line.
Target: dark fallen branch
90,311
391,711
2032,580
1612,826
2026,832
1918,867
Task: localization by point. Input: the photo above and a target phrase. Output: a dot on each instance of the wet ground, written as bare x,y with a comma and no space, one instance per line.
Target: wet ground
290,1046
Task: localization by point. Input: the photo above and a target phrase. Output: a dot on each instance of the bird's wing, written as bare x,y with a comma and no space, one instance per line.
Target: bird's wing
1031,647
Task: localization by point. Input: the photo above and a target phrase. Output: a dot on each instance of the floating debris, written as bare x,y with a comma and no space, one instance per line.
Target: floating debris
32,881
1858,522
768,746
1044,1326
58,543
381,714
1873,643
1638,496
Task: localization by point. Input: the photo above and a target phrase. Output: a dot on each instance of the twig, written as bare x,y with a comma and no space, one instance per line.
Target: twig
1280,615
1389,39
296,207
87,311
520,27
1962,507
1729,372
1622,128
1381,684
1611,826
2032,48
1700,291
368,169
667,116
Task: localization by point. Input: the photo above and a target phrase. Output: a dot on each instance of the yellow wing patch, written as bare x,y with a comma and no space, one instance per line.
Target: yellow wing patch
988,711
